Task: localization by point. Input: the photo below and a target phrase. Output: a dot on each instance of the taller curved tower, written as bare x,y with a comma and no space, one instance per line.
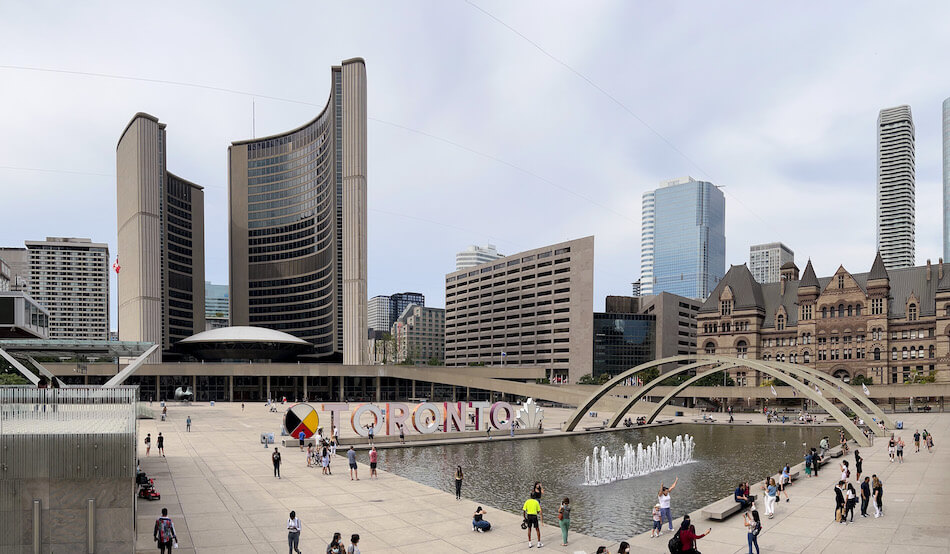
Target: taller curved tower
297,212
896,193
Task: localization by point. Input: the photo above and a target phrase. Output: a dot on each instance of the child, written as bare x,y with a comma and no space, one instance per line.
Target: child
657,524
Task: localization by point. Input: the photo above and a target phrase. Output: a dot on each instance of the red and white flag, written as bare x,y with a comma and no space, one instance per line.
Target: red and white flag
116,266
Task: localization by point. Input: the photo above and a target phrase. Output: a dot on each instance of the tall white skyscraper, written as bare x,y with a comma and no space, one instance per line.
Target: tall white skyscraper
896,194
766,261
378,315
946,180
474,255
70,278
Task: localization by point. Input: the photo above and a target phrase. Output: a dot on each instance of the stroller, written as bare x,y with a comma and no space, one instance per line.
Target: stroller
146,487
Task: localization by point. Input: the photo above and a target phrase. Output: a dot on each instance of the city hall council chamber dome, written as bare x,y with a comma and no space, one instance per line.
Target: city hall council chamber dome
243,344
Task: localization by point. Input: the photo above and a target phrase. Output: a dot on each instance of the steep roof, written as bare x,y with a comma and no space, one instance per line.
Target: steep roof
878,271
808,277
746,292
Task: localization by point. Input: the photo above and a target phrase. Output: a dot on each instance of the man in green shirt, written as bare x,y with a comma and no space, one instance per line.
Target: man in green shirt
533,517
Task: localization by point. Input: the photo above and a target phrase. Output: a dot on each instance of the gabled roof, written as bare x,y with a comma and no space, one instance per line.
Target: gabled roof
746,292
878,271
808,277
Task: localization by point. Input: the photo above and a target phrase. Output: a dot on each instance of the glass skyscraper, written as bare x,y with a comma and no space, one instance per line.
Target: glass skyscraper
683,241
946,180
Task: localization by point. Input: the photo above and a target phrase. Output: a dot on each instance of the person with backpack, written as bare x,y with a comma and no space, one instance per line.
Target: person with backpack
354,544
686,537
293,533
164,533
336,545
148,443
755,527
564,519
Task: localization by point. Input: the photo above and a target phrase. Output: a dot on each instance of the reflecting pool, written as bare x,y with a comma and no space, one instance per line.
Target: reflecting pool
501,473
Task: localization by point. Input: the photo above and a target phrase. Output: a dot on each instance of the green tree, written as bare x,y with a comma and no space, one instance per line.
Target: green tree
12,379
859,380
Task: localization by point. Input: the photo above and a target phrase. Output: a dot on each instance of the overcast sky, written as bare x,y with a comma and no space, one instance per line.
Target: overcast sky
777,102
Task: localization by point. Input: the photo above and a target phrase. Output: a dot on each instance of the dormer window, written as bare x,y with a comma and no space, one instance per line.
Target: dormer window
912,312
840,281
725,307
780,323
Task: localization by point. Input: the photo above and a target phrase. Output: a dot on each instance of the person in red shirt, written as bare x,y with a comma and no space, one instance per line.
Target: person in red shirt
688,536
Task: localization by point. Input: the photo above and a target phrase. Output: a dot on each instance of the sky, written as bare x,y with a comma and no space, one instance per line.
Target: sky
519,124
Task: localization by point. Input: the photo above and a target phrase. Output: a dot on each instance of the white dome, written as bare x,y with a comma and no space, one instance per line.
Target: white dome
243,334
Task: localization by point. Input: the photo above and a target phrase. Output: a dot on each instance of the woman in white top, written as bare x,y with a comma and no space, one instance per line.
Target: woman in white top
293,533
664,500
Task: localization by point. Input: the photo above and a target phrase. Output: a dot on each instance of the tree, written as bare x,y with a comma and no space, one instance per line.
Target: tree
12,379
859,380
591,380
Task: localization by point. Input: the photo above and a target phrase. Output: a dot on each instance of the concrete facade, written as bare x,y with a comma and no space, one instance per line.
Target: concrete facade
18,259
420,335
160,241
766,261
476,255
297,212
896,193
675,323
378,318
534,307
70,278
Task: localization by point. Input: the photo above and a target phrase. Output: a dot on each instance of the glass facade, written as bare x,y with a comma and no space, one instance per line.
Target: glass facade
216,301
946,180
685,250
622,341
179,258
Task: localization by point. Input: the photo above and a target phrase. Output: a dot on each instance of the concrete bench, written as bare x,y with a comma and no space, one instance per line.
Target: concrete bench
724,508
707,420
296,442
836,454
595,428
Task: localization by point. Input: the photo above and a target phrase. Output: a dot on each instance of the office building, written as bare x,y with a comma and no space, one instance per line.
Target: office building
946,180
18,260
217,306
766,261
896,194
297,211
635,288
888,325
420,335
401,300
530,308
622,341
161,241
378,314
675,323
476,255
70,278
683,242
5,275
21,317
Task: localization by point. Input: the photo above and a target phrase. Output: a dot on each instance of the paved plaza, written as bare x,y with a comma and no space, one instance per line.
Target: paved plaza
217,483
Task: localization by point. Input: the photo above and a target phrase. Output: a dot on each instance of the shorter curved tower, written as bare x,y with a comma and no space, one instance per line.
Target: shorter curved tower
297,212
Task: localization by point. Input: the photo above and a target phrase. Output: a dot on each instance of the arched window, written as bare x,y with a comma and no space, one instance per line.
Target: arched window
824,313
840,310
857,310
913,353
742,349
877,353
710,348
780,322
904,353
946,310
920,352
793,358
894,353
850,312
806,357
930,351
912,312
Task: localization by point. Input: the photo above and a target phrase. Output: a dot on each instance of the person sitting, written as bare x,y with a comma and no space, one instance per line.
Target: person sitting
742,496
478,522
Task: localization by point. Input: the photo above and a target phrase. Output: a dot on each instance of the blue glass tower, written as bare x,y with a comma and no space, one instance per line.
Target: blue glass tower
683,242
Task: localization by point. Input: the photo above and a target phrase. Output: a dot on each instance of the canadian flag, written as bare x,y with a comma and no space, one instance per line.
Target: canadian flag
116,266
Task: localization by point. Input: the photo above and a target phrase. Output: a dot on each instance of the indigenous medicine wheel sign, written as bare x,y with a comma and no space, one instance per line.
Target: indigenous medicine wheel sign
301,417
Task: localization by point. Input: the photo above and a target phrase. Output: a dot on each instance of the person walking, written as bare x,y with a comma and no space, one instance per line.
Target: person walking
164,533
275,458
188,425
839,502
823,445
858,462
850,499
242,406
845,470
336,434
351,458
564,519
300,438
771,495
325,461
783,481
917,440
877,492
293,533
930,443
892,448
865,496
900,450
148,443
815,461
531,510
755,527
161,445
373,458
336,545
808,461
354,544
458,482
664,500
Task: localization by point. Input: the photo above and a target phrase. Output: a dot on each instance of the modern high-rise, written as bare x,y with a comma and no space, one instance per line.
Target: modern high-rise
400,301
475,255
683,241
378,314
531,308
70,278
946,179
297,217
896,193
635,288
217,306
18,259
420,335
161,250
766,261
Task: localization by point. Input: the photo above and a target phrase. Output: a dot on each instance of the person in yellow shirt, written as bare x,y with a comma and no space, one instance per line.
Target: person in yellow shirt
533,517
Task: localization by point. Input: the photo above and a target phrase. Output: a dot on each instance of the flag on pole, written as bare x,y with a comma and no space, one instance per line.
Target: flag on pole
866,391
773,390
116,266
794,392
818,390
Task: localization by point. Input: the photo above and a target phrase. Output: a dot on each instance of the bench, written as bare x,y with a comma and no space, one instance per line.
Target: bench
707,420
296,442
724,508
836,454
595,428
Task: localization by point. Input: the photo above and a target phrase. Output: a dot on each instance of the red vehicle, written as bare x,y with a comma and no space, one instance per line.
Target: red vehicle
147,487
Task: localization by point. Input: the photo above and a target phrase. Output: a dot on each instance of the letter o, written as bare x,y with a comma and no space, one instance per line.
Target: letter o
358,413
493,415
419,423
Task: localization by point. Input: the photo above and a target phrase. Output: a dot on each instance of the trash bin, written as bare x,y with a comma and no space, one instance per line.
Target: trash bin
900,424
678,414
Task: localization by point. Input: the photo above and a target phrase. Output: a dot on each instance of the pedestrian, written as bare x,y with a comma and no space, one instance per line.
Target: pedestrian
815,461
823,445
370,433
275,457
865,496
900,450
351,458
161,445
538,488
808,462
531,510
622,548
336,545
783,481
930,443
164,533
478,521
688,536
892,447
564,519
488,430
839,502
402,433
336,434
771,495
603,550
851,498
917,440
858,462
845,470
354,542
877,492
148,443
755,527
657,524
373,458
242,406
664,500
188,424
300,438
293,533
326,461
458,482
